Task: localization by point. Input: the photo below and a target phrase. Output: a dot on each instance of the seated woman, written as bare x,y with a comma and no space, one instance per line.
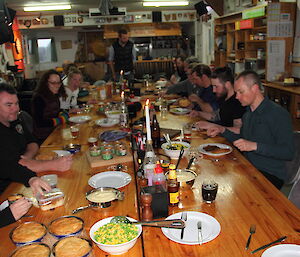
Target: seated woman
46,106
70,101
72,90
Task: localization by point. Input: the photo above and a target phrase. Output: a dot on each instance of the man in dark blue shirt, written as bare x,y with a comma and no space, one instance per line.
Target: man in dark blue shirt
206,100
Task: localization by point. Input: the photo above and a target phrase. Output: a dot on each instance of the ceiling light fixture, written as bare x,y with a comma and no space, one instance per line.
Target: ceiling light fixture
47,8
165,3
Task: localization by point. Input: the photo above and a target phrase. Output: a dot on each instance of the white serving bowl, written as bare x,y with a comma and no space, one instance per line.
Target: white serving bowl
115,114
174,154
113,249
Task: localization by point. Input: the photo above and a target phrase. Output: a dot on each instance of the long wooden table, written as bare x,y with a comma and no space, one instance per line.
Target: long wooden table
244,197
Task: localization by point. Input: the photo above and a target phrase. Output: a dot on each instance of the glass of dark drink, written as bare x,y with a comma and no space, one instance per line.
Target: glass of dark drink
209,191
74,131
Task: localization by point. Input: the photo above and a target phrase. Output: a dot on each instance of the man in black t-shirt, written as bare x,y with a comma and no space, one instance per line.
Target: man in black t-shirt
14,138
230,109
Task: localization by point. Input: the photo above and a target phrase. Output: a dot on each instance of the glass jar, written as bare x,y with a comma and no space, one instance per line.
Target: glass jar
94,151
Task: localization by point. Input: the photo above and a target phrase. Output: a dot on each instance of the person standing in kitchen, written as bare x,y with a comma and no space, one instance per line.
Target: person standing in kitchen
122,55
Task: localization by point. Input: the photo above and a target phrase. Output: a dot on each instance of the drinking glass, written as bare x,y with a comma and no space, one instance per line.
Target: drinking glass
209,190
74,131
187,131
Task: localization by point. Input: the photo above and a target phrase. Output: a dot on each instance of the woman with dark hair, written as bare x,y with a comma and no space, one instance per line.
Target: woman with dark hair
46,106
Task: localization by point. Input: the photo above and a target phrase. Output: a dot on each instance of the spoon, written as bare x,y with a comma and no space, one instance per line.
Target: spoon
175,223
167,137
180,156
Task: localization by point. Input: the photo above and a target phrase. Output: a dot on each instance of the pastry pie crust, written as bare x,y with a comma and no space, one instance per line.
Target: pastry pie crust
28,232
72,247
32,250
65,226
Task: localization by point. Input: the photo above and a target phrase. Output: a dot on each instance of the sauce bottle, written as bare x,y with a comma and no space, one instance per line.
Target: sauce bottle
173,186
155,131
159,177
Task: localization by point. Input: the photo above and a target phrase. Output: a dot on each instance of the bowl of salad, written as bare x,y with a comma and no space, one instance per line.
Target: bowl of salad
173,150
115,235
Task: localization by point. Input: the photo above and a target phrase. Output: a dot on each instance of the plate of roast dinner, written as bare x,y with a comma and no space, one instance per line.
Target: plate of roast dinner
215,149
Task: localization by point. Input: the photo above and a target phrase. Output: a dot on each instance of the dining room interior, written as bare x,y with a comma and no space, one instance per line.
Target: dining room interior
126,165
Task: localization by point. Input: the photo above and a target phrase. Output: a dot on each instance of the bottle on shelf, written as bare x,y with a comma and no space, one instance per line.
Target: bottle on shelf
159,177
173,186
149,162
155,132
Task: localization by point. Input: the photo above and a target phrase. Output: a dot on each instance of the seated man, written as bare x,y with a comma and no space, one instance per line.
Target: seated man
18,147
179,74
205,100
185,87
266,135
230,109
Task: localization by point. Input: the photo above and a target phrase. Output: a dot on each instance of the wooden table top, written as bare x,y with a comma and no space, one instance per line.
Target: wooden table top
244,197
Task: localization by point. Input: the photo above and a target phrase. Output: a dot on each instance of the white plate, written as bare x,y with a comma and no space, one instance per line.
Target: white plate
79,119
61,153
201,149
115,179
179,110
283,250
106,122
210,228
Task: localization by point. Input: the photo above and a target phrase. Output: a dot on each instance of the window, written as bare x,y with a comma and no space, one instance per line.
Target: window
44,50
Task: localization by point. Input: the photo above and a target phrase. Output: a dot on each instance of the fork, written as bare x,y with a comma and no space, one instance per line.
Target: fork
251,231
200,238
184,218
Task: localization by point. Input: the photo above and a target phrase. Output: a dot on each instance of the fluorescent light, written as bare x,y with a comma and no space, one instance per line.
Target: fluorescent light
170,3
47,8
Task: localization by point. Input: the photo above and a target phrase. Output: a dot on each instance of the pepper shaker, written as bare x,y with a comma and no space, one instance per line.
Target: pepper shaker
147,213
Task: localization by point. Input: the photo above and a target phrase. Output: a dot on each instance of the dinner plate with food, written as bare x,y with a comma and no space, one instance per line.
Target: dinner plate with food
180,111
215,149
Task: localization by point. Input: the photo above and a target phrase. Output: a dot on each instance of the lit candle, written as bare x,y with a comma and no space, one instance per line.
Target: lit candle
122,96
147,114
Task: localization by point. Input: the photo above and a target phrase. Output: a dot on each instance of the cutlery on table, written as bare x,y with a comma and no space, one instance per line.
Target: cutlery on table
267,245
184,218
180,156
251,231
200,238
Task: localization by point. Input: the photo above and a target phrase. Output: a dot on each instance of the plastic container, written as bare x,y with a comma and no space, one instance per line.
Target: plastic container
51,200
50,179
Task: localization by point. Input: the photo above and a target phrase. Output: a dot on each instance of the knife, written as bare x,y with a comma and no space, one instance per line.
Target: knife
267,245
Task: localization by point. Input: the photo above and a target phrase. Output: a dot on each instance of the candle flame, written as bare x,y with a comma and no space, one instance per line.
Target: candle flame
122,94
121,72
147,102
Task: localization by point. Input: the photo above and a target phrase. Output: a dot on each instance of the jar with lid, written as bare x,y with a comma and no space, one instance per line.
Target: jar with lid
94,151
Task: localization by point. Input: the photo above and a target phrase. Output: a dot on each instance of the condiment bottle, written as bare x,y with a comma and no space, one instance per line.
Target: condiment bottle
173,186
155,131
149,162
159,177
